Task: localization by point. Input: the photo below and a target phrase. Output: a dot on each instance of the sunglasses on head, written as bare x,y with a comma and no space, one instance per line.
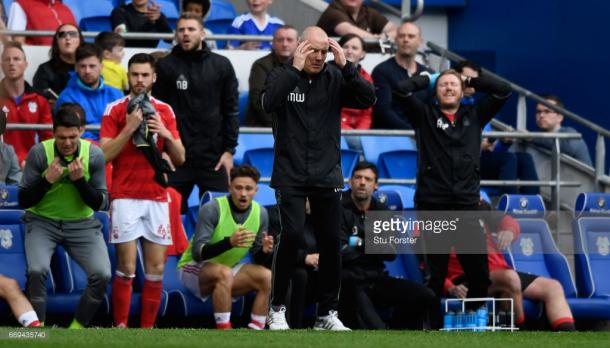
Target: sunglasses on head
71,34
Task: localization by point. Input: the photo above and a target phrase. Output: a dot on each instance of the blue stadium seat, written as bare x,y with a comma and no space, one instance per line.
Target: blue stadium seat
373,145
8,197
397,197
349,159
220,18
399,164
92,15
243,106
248,141
591,228
261,159
535,252
265,195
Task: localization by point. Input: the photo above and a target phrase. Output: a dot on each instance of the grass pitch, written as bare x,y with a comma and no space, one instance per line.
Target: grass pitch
187,338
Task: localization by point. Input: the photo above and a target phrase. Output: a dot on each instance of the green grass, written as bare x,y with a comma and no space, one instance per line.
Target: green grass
196,338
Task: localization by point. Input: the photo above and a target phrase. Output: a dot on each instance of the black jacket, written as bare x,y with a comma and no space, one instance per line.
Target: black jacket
255,115
449,154
356,263
307,122
201,87
53,75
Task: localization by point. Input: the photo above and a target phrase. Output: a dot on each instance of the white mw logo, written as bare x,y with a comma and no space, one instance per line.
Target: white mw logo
6,239
296,97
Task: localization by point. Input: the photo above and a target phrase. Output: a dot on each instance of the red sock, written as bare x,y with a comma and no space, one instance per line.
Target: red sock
520,320
151,299
121,300
563,324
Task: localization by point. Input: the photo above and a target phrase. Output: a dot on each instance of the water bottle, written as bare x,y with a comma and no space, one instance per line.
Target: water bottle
471,321
482,319
449,321
460,318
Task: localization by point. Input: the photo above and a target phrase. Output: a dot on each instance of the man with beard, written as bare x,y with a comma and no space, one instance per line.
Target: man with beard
201,87
449,141
139,202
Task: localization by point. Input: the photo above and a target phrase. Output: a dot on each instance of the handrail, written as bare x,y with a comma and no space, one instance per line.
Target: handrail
406,11
521,90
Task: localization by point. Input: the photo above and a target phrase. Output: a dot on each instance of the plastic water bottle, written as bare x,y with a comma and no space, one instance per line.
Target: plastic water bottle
449,321
460,318
471,321
482,319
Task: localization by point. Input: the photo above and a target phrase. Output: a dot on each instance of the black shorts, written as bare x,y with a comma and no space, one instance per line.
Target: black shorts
525,278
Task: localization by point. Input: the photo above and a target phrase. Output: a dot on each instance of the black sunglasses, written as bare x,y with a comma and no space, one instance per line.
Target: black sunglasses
63,34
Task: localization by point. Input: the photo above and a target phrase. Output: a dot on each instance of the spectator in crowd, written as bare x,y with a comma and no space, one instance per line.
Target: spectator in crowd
344,17
227,227
201,87
202,9
256,22
505,282
549,121
3,38
10,172
87,87
387,112
285,41
20,103
20,306
353,46
365,283
140,16
63,185
303,282
52,76
38,15
306,99
139,201
449,150
497,163
112,45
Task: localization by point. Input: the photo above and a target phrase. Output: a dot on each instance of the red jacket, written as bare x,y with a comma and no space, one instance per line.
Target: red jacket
45,15
495,258
357,118
179,240
32,108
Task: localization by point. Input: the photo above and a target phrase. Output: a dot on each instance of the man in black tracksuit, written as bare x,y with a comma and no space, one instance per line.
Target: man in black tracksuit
201,87
448,138
306,97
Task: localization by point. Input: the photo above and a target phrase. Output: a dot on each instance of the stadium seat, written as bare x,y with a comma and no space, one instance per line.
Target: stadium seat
243,106
349,159
373,145
248,141
399,164
591,228
220,18
535,252
265,195
261,159
397,197
92,15
8,197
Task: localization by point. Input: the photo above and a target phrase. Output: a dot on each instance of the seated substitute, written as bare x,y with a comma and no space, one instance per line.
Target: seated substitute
365,282
227,227
63,184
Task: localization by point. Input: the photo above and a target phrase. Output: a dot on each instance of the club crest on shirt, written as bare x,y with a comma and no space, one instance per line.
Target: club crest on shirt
33,107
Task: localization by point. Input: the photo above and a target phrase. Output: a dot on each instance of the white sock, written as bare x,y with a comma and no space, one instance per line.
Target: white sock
222,318
258,318
27,318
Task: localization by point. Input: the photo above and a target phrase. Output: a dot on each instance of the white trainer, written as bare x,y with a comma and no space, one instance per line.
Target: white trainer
330,322
277,319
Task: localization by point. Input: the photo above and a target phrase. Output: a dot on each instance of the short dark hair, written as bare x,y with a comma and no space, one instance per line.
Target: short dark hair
459,67
554,98
366,165
245,170
142,58
205,4
76,109
13,44
347,37
87,50
189,15
107,40
66,117
285,27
